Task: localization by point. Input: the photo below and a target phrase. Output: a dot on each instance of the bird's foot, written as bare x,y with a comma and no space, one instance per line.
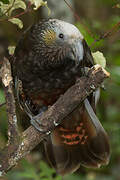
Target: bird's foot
35,119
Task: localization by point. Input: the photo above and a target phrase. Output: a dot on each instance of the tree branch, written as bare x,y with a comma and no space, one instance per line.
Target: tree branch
75,95
10,102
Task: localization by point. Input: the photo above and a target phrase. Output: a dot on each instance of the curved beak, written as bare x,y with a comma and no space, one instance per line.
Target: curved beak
77,51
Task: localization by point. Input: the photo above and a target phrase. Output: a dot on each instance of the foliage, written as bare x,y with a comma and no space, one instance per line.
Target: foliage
39,3
99,59
88,35
7,8
30,171
109,106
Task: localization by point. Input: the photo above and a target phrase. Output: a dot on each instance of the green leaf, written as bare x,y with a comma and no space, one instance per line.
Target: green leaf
17,4
99,58
8,8
38,3
11,49
4,8
17,21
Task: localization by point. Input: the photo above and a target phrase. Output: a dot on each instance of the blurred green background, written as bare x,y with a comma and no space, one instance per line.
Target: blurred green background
99,16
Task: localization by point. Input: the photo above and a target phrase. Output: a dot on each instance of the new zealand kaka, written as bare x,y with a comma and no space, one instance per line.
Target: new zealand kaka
48,59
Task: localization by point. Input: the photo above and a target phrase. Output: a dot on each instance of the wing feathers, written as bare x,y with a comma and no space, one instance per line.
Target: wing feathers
78,141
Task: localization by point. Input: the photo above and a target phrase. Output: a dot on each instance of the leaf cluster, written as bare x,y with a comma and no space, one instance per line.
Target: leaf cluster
8,7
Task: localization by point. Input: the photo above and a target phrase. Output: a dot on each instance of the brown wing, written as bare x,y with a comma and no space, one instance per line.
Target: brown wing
80,140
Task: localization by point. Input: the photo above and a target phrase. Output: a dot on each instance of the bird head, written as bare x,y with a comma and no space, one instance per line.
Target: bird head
56,42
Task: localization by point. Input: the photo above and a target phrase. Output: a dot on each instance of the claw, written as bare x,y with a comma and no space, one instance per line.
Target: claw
38,125
34,119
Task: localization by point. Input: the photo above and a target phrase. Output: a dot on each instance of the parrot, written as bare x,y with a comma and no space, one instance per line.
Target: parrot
49,57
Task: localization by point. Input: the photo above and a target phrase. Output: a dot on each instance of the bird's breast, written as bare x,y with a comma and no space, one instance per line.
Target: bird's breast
45,89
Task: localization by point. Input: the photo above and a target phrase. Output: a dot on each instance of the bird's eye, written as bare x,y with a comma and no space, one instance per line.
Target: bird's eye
61,36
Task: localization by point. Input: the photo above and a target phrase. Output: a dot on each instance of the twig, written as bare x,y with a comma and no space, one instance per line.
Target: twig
78,18
18,15
54,115
107,34
10,102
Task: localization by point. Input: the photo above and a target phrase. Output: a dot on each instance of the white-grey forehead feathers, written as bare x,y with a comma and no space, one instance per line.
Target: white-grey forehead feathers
67,28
